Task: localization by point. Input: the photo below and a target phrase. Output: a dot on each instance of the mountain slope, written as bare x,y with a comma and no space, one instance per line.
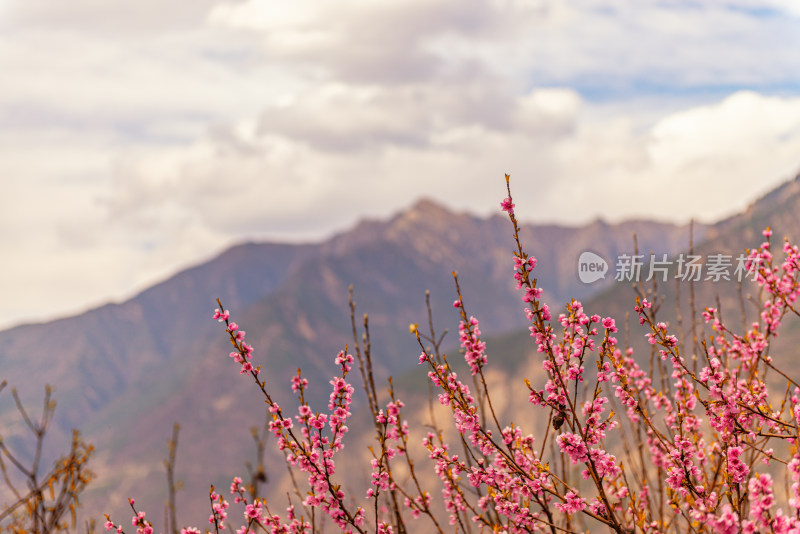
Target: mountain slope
125,372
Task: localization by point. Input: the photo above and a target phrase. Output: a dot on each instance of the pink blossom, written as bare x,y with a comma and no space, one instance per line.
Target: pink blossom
572,504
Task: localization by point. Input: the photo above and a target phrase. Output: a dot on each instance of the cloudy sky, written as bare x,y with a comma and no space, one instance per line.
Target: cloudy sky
139,137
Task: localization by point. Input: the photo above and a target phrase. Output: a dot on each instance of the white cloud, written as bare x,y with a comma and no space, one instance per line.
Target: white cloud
704,161
104,17
138,137
738,147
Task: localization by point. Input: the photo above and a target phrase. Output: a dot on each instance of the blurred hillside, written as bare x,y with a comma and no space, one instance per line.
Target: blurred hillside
123,373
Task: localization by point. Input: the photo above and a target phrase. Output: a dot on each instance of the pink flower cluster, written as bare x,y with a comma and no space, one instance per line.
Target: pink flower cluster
309,441
676,447
469,335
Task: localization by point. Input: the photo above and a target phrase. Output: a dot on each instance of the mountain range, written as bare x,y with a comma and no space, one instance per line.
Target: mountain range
123,373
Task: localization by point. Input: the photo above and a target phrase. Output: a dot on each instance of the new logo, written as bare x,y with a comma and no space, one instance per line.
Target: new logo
591,267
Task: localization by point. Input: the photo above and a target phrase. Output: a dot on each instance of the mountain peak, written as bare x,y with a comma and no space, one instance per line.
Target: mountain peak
424,215
428,206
